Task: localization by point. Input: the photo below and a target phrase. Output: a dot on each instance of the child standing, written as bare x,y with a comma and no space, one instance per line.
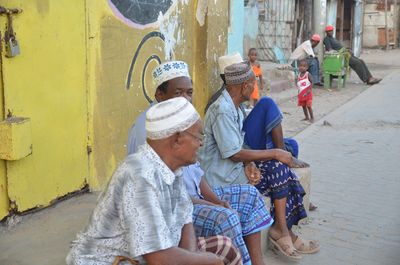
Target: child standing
304,85
252,56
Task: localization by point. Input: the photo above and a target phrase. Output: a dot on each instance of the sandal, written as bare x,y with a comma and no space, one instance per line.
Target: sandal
312,207
304,246
285,246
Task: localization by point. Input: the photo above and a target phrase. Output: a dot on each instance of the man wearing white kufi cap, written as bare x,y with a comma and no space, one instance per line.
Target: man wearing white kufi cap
237,211
145,213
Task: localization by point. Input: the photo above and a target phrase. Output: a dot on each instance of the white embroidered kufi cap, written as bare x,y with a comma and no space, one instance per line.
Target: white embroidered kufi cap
169,117
227,60
170,70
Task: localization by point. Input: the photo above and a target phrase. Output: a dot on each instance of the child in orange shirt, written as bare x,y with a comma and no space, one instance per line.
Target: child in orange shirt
255,96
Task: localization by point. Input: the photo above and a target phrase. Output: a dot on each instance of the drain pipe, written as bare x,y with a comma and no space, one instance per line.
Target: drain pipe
319,25
357,27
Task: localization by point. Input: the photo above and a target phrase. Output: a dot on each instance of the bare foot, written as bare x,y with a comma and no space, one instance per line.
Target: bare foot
305,119
312,120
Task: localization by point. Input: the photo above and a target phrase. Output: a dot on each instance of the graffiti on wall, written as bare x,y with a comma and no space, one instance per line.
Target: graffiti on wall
144,14
150,58
140,14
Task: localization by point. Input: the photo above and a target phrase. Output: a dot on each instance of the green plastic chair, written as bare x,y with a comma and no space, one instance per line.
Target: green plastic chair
336,65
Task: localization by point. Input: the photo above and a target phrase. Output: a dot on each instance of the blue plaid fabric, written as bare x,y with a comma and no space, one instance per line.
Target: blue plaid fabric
248,215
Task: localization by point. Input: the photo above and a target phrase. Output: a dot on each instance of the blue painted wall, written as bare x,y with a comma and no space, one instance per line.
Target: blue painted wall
236,29
250,26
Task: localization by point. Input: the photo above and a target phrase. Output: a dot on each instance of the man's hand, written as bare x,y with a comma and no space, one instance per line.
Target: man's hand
287,158
284,156
253,174
225,204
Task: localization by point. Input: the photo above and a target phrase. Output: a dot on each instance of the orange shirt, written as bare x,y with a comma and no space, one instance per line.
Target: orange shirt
258,72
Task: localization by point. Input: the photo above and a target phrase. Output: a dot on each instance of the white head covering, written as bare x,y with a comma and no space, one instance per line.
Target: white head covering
169,117
170,70
227,60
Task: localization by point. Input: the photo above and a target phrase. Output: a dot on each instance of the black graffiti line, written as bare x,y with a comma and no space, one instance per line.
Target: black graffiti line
153,34
152,57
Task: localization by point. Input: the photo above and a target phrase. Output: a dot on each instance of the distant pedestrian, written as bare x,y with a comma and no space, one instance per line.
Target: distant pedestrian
304,85
255,65
358,65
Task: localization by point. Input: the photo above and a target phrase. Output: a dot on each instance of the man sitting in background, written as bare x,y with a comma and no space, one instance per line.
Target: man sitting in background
358,65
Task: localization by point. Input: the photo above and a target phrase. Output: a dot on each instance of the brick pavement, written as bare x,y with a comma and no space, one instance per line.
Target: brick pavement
355,180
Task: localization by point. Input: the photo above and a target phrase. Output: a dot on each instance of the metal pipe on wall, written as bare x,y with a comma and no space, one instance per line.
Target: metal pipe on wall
396,24
386,25
319,24
357,27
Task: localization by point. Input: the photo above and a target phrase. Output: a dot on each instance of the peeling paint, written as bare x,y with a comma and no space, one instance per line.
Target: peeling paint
168,27
201,12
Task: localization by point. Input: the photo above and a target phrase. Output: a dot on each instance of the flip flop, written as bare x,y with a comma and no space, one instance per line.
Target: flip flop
312,207
304,246
285,246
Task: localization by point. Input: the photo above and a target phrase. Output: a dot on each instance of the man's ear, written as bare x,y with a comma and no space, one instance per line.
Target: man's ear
159,95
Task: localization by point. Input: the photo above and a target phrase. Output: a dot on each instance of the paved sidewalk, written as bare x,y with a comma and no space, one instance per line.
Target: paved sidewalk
355,160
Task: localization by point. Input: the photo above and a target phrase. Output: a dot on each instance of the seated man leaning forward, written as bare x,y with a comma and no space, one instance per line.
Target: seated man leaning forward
306,51
223,159
237,211
145,213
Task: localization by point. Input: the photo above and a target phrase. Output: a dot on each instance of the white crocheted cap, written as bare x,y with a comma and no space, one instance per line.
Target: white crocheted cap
169,70
169,117
227,60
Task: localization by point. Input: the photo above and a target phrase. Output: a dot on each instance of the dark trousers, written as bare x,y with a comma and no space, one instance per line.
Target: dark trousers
360,68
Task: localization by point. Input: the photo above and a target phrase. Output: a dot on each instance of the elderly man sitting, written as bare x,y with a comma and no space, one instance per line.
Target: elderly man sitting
145,213
224,158
237,211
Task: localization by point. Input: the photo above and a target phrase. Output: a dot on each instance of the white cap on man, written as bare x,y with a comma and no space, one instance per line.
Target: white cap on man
227,60
169,117
170,70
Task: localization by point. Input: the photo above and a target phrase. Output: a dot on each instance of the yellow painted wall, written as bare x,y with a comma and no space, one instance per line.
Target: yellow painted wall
112,45
47,83
4,203
70,79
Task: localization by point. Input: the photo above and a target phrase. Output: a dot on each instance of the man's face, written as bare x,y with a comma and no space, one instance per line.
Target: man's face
177,87
190,141
248,87
314,43
329,33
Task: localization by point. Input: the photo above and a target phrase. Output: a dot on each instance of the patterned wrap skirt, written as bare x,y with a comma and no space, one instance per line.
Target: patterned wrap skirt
279,181
247,216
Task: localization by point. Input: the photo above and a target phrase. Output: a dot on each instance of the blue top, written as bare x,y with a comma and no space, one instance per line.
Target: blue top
224,138
137,133
259,124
